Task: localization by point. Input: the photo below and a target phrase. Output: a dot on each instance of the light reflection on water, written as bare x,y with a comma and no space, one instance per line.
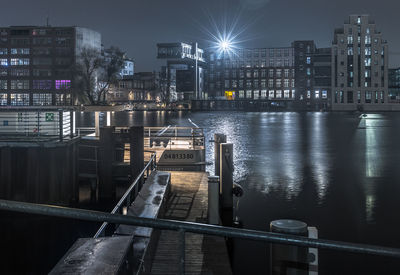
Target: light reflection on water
335,171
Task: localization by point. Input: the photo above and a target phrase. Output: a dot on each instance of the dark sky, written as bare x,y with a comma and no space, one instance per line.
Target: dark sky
137,25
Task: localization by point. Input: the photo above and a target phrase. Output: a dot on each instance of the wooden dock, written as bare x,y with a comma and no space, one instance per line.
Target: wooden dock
203,254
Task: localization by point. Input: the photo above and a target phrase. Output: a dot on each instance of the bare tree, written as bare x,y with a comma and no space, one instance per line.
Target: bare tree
94,73
86,73
110,72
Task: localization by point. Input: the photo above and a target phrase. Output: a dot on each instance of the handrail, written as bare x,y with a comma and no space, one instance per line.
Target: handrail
127,194
97,216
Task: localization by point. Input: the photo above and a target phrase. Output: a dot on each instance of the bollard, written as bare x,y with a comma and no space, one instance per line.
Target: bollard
288,259
213,200
218,139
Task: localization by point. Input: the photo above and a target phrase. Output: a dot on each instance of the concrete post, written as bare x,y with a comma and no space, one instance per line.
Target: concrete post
107,187
97,123
136,151
218,139
288,259
213,200
226,171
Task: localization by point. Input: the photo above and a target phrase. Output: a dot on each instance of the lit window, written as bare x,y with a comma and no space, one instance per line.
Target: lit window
3,51
248,94
263,93
317,94
41,99
271,94
286,93
293,93
308,60
350,39
3,99
308,71
308,94
19,61
278,94
3,62
19,99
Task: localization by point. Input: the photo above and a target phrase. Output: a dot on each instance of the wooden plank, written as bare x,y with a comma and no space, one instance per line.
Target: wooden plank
203,254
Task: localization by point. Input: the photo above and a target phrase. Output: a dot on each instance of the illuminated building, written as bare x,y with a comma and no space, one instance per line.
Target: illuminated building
36,63
359,66
185,70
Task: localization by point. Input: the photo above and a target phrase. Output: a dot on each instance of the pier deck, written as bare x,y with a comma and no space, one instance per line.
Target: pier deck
203,254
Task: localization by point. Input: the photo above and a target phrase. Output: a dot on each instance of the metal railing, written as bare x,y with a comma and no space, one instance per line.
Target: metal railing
183,227
130,193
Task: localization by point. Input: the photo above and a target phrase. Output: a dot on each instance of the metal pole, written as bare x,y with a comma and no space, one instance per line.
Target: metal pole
96,216
60,125
196,78
213,200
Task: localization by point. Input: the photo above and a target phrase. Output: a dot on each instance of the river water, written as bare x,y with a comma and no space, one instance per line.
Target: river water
336,171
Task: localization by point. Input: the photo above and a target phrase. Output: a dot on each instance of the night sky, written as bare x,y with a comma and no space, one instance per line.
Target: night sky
136,26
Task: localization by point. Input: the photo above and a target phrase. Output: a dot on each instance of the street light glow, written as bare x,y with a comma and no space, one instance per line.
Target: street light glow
224,45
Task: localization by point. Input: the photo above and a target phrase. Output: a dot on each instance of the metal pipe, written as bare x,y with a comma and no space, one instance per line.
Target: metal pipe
125,196
96,216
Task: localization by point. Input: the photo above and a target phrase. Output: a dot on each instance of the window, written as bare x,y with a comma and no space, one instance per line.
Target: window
241,94
19,61
20,51
263,93
226,83
41,61
255,73
367,50
367,39
271,94
248,83
19,84
19,99
358,96
278,72
3,62
350,51
3,99
293,93
292,83
308,60
286,93
278,83
278,94
263,83
271,72
324,94
368,97
349,39
359,20
367,61
3,84
263,73
41,99
286,83
271,62
255,83
248,73
3,51
43,84
286,74
63,61
316,94
270,83
248,94
3,72
19,72
41,72
308,71
41,51
41,40
256,94
308,94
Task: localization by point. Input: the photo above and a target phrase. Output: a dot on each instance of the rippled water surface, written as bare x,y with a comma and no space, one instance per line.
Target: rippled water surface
335,171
